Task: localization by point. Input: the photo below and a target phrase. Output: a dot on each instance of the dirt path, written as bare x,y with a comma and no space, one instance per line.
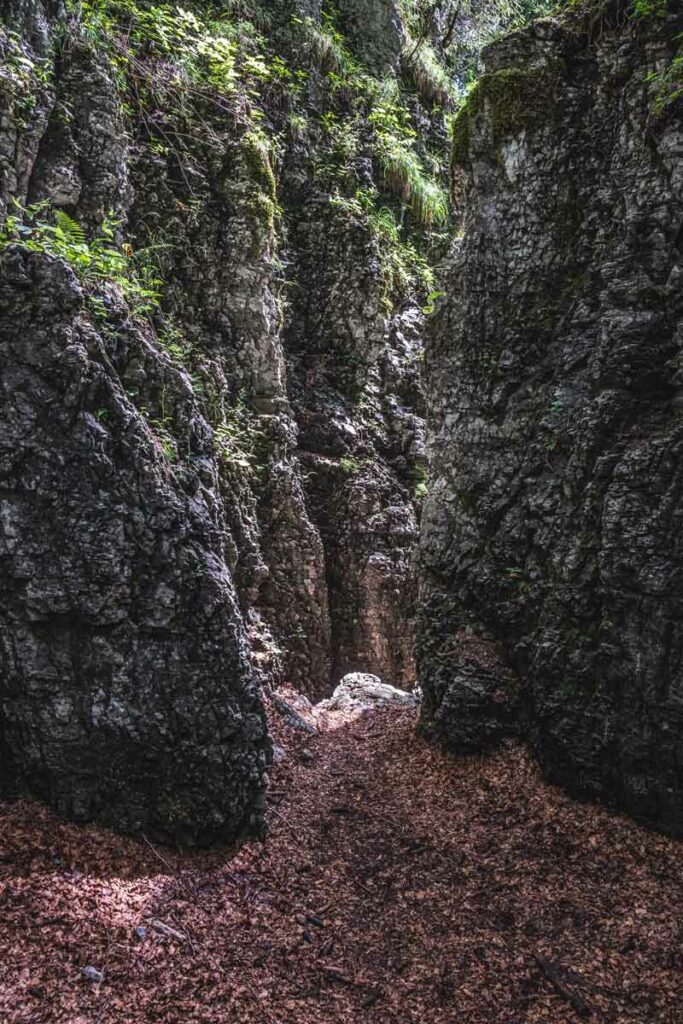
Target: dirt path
398,885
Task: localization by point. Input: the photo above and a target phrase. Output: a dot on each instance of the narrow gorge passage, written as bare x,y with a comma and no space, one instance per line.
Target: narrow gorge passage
341,341
375,899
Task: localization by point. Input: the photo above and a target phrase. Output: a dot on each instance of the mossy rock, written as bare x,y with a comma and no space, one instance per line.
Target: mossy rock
514,99
460,149
258,160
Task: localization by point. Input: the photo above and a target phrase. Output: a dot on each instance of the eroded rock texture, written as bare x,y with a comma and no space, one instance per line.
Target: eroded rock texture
127,694
551,544
218,492
354,382
377,30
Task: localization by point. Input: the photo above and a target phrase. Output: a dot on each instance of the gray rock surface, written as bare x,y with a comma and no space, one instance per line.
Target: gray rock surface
354,384
551,542
377,30
126,691
217,494
358,691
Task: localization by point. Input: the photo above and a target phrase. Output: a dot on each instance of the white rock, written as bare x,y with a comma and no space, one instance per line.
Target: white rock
359,690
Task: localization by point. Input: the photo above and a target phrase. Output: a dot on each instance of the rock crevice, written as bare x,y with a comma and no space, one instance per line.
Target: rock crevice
210,408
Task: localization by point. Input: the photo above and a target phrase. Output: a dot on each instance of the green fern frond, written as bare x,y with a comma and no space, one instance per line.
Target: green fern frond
71,228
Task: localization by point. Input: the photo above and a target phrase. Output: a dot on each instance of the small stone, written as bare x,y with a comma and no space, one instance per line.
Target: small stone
92,974
141,931
279,754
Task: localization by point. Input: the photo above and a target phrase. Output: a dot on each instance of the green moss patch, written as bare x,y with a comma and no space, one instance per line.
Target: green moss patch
514,100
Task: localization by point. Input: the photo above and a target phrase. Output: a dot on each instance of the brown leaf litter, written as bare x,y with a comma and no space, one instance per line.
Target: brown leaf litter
397,885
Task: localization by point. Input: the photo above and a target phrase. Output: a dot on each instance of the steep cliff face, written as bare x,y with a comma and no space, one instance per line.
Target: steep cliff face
214,255
551,543
127,693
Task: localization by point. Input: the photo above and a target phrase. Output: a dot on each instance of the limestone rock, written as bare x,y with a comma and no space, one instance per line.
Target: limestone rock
217,494
377,29
126,692
361,690
551,544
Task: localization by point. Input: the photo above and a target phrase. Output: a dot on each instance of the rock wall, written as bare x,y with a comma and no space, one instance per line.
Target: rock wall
551,542
211,450
376,29
354,384
126,691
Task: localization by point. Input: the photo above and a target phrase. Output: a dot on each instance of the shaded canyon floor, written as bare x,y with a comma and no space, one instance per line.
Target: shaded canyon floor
397,885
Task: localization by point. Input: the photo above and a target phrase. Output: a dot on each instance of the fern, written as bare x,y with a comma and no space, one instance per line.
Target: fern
70,229
39,228
236,438
403,174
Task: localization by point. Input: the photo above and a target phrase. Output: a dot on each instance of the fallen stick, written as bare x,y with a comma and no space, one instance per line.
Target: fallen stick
552,973
292,718
165,929
174,871
285,821
338,974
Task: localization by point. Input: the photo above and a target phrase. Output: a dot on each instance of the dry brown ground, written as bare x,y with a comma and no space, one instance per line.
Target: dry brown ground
398,885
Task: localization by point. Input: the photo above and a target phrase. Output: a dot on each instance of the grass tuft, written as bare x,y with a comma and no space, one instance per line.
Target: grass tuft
402,174
431,80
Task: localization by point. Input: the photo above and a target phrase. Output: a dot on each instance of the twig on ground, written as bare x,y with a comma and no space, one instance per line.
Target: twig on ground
552,973
159,857
165,929
285,821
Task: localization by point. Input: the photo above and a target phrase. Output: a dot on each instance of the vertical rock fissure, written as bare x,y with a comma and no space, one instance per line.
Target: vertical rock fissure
210,317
